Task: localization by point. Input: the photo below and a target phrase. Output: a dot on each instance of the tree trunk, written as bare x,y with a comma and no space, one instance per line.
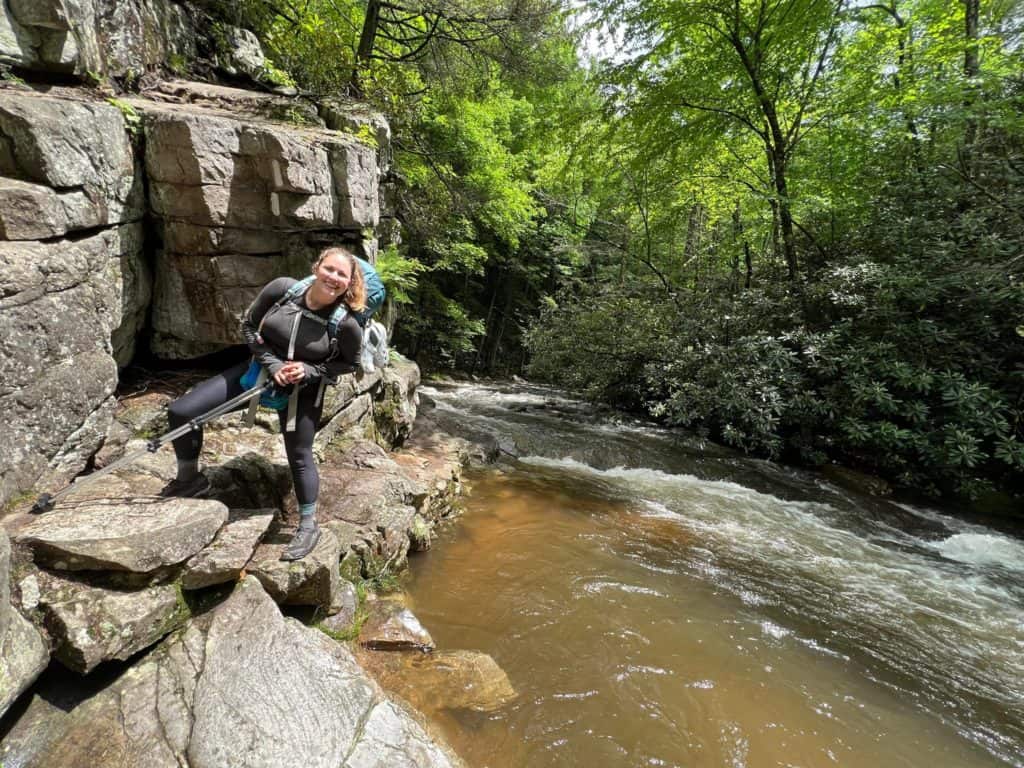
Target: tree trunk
367,38
972,69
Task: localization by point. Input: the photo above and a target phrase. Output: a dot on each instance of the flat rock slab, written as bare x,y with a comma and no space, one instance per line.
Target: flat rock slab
245,687
223,558
313,580
93,624
390,626
455,680
139,537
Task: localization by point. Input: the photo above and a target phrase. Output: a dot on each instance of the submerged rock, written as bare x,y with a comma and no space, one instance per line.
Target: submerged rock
391,626
455,680
140,537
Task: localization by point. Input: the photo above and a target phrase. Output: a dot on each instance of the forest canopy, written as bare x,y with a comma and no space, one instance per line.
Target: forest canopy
794,226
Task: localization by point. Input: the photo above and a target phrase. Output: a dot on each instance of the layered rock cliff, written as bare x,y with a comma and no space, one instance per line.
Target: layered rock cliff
147,221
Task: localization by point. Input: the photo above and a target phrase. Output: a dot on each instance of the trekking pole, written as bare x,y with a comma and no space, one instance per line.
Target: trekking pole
46,501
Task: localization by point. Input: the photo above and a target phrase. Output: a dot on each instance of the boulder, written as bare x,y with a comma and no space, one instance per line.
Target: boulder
355,118
237,102
244,687
140,537
394,410
433,460
358,483
390,626
243,55
313,580
23,653
91,624
223,558
63,303
77,150
23,657
456,680
344,620
111,37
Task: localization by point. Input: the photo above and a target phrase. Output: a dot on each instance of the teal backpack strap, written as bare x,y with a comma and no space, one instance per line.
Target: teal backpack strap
337,318
298,288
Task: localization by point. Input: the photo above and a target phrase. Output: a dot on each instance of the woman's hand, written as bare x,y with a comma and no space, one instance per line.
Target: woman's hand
290,373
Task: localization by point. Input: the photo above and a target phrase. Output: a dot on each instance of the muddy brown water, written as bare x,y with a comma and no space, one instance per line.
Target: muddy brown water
650,616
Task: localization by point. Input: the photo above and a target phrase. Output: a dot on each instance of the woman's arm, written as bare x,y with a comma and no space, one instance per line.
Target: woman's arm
271,294
345,359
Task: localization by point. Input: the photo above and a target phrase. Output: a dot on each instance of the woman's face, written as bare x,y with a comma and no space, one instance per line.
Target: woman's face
334,273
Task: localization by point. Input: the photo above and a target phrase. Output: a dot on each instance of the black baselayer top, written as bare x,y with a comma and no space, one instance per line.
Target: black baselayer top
267,329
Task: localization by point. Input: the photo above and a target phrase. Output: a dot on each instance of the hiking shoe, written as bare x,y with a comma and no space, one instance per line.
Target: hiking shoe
302,543
193,488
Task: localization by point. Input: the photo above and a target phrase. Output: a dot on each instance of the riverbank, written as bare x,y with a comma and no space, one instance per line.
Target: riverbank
175,612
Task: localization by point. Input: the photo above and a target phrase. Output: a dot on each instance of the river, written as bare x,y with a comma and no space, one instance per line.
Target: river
661,601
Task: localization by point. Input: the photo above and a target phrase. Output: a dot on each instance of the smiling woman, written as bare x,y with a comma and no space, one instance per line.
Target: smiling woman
296,343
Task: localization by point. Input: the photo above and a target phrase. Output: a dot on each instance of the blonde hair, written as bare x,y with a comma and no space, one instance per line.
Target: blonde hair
355,296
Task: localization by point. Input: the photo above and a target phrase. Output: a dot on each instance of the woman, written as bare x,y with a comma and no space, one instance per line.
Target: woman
274,324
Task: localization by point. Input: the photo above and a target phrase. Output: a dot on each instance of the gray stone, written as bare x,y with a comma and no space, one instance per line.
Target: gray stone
105,37
23,657
138,537
454,680
223,558
92,624
244,55
355,178
354,117
35,212
273,692
421,535
61,303
391,626
240,686
313,580
356,414
345,618
238,102
394,409
393,740
23,654
433,460
73,146
136,36
5,581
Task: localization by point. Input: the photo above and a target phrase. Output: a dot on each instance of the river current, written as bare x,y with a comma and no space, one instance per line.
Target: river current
661,601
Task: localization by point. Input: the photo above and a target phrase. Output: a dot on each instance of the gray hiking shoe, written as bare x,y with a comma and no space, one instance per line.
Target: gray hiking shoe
194,488
302,543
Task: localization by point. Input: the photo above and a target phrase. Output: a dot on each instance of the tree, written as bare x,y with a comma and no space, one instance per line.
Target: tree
728,66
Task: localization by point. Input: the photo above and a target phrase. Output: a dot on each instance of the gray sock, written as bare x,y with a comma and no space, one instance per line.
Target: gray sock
187,469
307,516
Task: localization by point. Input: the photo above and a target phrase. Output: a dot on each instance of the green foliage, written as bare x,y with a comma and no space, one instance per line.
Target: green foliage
132,119
398,274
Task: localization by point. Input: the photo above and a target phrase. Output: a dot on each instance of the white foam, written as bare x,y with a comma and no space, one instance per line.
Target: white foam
983,549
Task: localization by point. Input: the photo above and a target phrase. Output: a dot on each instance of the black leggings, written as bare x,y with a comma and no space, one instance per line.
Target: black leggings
298,445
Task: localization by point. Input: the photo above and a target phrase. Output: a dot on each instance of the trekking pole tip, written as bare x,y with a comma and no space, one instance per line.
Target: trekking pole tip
43,504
